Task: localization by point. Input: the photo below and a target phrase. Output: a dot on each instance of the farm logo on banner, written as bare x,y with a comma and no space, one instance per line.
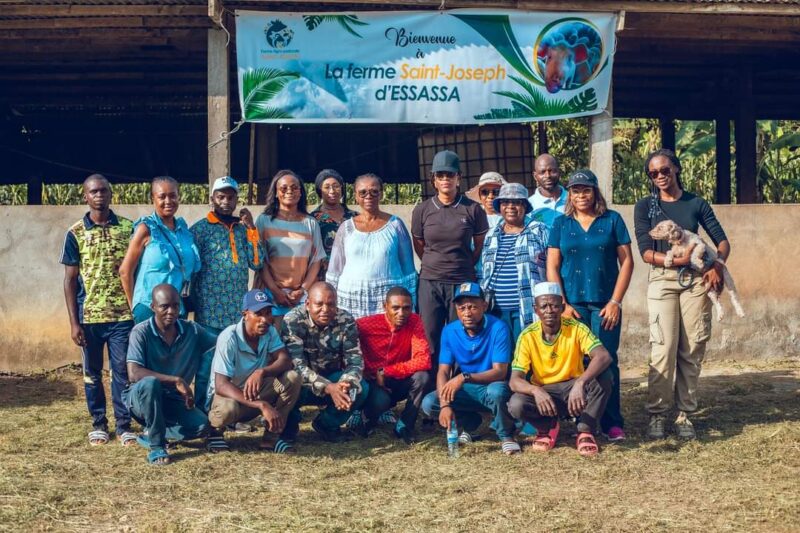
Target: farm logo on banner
450,67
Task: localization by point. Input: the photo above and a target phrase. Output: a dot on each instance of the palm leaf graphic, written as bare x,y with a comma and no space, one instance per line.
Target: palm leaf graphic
259,86
497,30
345,21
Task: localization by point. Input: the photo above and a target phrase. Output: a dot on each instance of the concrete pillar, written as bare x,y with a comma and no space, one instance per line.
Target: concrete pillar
601,148
219,155
745,135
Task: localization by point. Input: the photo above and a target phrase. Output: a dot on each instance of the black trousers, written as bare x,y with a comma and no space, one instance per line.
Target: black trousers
435,302
523,406
411,389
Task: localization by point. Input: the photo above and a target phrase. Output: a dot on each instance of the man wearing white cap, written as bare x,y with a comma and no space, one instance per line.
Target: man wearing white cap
229,248
552,351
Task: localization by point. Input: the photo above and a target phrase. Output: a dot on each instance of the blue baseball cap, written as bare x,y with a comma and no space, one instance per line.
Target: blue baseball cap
468,289
256,300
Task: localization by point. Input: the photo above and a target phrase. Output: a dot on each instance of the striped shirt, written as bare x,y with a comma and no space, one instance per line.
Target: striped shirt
292,247
505,284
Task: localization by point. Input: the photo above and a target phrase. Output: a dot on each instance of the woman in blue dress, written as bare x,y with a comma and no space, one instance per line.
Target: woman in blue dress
589,254
162,250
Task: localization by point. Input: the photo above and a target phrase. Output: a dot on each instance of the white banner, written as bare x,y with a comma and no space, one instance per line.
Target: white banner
465,66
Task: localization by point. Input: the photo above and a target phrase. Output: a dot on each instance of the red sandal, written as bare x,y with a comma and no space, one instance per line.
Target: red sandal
587,445
545,443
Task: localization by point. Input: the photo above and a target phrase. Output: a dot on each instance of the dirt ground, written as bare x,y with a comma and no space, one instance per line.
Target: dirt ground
740,475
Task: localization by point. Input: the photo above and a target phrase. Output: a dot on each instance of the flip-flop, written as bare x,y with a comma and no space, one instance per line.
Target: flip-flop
510,447
98,437
277,446
216,444
127,438
158,457
587,445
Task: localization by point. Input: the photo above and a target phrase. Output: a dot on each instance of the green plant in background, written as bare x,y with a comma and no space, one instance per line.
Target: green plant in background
259,86
345,21
533,104
13,194
778,149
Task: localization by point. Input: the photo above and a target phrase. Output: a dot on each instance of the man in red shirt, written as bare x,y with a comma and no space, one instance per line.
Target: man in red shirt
397,360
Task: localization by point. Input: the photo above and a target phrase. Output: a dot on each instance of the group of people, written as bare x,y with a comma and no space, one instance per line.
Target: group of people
516,310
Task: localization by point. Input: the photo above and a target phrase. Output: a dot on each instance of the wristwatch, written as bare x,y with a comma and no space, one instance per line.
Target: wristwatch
467,377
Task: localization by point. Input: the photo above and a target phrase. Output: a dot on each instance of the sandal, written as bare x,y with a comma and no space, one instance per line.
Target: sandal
545,442
510,447
277,445
127,438
158,457
587,445
216,444
98,437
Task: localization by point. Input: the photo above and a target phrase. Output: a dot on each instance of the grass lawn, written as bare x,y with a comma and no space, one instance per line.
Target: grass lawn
743,474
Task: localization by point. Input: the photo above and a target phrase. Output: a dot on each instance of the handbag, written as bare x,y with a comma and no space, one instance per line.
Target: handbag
489,295
186,287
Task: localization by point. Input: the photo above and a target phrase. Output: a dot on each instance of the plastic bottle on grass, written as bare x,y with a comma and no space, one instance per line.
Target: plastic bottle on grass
452,440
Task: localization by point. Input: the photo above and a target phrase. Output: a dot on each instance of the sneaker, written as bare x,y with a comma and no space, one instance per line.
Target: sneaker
388,418
404,434
684,428
615,434
655,429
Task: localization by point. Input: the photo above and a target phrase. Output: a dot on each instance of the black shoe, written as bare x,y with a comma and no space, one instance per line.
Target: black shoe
366,429
405,435
327,434
428,423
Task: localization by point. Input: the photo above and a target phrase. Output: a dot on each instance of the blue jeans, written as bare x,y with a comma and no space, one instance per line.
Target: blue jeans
163,414
511,318
471,400
590,315
203,375
115,335
330,417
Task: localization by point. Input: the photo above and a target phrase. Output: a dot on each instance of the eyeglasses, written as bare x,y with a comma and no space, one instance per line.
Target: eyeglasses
490,191
363,193
290,188
663,171
448,176
515,203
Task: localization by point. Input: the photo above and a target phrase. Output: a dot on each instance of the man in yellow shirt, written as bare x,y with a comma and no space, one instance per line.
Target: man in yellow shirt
551,351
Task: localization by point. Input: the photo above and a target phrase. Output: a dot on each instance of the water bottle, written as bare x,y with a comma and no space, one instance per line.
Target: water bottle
452,440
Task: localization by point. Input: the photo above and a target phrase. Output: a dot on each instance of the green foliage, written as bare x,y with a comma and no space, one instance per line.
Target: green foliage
778,148
534,104
259,86
568,141
13,194
393,193
345,21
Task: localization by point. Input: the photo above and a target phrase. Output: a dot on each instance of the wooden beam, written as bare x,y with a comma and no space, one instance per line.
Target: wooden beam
219,155
104,22
723,156
101,10
745,135
601,148
667,127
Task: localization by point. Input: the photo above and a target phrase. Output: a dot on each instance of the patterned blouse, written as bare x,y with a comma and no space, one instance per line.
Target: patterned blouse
328,228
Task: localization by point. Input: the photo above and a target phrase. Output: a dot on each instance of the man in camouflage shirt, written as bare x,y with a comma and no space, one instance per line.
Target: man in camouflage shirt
98,310
322,341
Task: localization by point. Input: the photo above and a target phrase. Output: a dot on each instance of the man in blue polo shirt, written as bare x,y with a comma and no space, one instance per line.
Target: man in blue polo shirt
252,374
479,344
549,200
164,353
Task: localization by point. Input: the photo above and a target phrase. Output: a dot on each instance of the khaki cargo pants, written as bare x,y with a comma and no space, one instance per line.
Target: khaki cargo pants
281,393
680,326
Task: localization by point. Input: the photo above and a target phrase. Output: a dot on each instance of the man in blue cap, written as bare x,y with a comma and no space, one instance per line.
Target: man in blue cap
479,345
252,375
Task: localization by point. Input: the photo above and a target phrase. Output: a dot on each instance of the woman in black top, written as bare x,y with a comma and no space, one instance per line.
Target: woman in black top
679,310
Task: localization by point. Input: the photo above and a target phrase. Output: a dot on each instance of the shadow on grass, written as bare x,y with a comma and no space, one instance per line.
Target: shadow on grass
727,404
18,392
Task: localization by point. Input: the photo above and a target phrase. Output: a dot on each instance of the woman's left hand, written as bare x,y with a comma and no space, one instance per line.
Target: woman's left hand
713,278
611,315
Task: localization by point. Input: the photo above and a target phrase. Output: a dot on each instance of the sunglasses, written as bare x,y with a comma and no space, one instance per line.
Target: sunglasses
490,191
363,193
291,188
663,171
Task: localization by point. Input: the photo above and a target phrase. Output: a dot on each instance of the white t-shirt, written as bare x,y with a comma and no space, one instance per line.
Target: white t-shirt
545,209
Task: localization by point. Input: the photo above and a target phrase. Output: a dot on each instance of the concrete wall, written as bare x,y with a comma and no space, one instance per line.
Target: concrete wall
34,330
